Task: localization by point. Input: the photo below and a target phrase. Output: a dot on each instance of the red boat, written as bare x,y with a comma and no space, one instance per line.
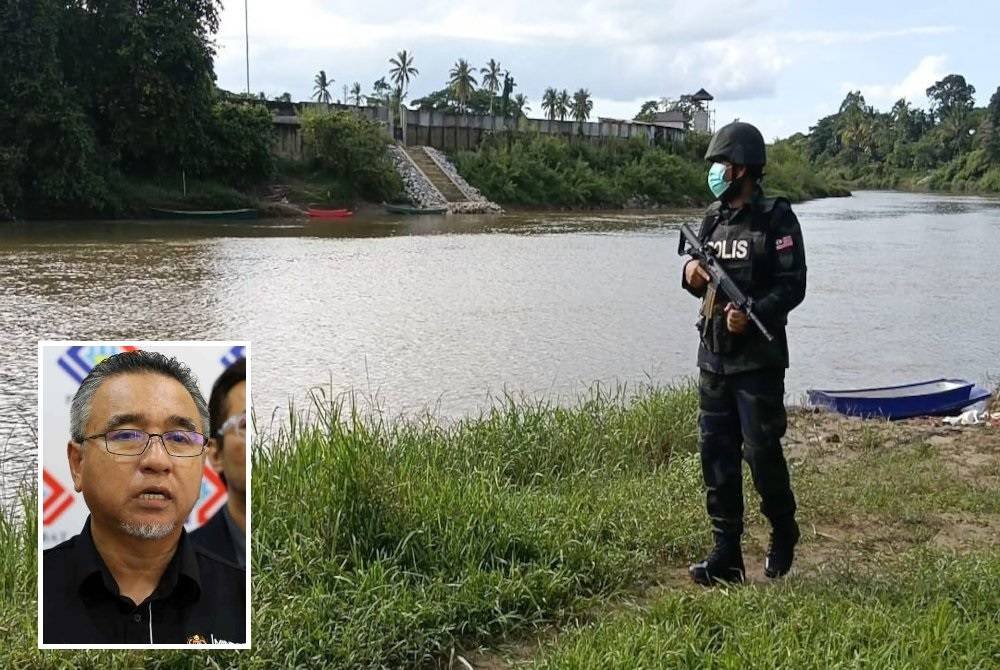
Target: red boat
316,213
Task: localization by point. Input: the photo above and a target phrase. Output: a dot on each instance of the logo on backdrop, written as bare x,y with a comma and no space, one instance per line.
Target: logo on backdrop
56,498
77,362
210,499
233,355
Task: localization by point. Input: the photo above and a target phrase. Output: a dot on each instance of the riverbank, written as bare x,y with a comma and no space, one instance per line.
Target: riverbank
530,173
558,537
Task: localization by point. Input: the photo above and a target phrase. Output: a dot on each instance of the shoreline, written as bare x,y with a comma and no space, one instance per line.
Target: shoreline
294,211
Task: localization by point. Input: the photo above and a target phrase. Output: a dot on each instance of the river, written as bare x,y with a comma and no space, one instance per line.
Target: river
440,313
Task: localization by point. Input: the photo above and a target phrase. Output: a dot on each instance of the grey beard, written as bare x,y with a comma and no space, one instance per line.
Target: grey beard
148,531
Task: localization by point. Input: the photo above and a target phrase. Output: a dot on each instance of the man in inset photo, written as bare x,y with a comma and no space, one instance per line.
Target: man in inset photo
138,445
225,532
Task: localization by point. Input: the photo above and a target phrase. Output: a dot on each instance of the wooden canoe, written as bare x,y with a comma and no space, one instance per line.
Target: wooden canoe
410,209
210,214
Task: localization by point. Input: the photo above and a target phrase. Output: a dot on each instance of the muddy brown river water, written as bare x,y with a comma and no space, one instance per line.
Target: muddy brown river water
440,313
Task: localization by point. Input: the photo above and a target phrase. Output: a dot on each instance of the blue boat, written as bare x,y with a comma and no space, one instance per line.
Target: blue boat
937,397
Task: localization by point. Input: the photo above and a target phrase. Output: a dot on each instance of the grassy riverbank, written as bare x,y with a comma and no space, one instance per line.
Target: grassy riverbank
558,537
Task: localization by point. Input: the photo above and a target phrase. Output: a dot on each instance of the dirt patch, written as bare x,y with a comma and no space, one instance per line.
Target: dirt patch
964,532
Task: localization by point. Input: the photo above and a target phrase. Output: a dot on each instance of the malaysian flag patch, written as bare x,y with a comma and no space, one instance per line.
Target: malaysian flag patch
784,243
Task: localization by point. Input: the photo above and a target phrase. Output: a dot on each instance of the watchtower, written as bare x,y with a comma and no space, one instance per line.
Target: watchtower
702,114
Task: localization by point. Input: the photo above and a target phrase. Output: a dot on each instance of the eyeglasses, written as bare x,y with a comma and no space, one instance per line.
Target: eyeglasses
134,442
237,423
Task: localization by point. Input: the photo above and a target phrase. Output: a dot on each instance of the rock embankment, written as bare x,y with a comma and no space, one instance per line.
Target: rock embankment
419,190
476,202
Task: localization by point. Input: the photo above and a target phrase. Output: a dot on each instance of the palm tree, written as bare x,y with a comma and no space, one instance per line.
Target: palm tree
380,92
401,71
563,103
549,102
521,107
356,93
322,89
581,105
491,80
462,82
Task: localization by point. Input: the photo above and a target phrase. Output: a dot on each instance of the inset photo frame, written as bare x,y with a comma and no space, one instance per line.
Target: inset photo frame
144,518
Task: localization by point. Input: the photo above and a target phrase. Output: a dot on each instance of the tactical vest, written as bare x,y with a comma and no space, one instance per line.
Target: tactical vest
742,242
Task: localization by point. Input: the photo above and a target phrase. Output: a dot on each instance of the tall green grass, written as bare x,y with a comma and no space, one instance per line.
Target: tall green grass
383,543
922,610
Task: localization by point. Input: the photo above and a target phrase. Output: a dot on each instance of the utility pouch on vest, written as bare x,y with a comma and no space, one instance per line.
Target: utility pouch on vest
708,302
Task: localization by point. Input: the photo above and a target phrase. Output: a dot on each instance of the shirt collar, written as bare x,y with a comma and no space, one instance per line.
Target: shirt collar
93,579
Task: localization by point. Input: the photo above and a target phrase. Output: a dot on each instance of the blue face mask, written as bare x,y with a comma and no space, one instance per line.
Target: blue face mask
717,179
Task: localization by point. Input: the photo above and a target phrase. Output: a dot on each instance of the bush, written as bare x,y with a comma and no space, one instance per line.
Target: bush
353,149
538,170
240,139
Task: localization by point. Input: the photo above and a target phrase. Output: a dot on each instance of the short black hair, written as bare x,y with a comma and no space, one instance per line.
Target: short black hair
130,362
231,376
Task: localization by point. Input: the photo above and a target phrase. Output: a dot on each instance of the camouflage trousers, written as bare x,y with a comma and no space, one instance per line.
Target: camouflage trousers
742,416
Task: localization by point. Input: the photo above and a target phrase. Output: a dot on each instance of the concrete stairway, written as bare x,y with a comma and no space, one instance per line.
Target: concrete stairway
442,182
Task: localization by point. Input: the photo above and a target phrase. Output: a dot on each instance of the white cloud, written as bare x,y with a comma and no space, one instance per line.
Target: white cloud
622,51
835,37
913,86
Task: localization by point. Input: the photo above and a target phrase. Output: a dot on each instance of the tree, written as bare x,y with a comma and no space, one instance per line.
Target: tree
491,79
521,107
648,110
321,91
550,101
402,71
143,74
683,105
47,148
581,105
992,141
563,102
508,89
462,82
381,91
284,97
950,96
356,93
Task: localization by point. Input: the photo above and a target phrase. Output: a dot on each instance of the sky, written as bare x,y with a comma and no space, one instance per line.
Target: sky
779,64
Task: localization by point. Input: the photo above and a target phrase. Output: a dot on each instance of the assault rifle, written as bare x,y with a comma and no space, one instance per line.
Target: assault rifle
721,280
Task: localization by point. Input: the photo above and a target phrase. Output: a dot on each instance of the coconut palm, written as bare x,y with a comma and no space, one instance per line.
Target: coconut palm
321,91
402,71
549,102
380,92
356,93
581,105
563,102
462,82
491,79
521,108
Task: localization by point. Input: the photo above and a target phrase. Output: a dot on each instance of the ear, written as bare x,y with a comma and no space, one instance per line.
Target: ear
215,454
739,171
74,453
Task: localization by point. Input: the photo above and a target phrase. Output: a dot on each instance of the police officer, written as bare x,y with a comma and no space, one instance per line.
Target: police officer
741,386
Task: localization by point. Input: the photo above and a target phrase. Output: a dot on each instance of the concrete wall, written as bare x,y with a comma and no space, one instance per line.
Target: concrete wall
449,132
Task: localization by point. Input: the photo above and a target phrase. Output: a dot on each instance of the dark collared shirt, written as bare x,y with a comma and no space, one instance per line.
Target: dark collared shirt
199,595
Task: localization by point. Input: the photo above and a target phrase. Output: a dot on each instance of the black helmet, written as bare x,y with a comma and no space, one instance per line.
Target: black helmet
739,143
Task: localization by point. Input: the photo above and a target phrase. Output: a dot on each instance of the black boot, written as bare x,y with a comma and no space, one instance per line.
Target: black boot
724,565
781,551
